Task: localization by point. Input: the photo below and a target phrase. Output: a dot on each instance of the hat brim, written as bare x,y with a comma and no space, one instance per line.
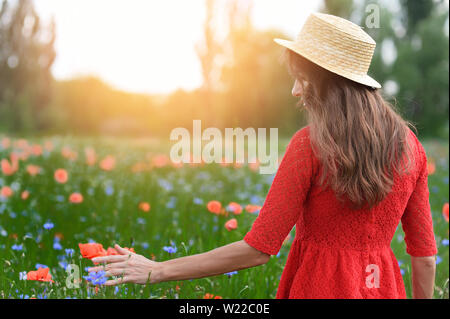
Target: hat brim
365,79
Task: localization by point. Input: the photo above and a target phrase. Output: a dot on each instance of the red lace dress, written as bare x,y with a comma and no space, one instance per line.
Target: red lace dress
339,253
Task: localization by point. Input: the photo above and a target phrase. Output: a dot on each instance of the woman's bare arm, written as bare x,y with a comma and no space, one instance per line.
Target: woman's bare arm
234,256
135,268
423,276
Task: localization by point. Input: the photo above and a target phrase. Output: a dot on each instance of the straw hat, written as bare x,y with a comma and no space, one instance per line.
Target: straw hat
336,44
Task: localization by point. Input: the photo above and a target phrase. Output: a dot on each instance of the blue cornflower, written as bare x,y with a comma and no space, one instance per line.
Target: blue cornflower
41,266
438,259
96,278
402,271
231,273
57,246
198,201
69,251
255,199
17,247
172,202
444,242
49,225
109,190
63,264
170,249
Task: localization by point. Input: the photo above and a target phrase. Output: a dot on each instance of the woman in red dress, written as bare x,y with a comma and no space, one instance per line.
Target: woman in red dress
346,182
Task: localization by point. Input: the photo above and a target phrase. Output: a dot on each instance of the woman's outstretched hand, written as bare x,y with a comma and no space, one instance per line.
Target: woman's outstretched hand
129,267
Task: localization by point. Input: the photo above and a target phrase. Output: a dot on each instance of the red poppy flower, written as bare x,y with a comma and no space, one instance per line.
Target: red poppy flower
6,191
36,150
252,208
211,296
214,207
48,145
144,206
111,251
33,170
231,224
61,176
25,195
445,211
431,167
108,163
42,274
6,142
69,154
160,160
235,208
9,168
76,198
92,250
254,166
91,157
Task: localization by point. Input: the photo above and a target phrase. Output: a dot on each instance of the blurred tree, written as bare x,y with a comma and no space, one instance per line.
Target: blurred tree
256,87
26,55
411,61
341,8
244,83
209,51
87,105
416,11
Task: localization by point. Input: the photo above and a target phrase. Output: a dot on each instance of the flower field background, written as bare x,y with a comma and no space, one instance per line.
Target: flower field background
58,193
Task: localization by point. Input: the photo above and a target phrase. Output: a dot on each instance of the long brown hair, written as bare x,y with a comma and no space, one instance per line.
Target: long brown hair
358,137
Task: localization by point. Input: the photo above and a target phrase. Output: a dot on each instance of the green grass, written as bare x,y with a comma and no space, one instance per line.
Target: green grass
109,214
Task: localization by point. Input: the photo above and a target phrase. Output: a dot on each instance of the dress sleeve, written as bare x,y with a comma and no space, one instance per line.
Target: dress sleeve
417,222
284,202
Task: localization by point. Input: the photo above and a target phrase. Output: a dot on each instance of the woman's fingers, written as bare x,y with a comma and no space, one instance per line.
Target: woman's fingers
121,250
95,269
116,272
110,259
117,281
118,265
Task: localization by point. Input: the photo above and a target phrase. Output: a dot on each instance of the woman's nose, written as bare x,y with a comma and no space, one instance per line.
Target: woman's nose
297,89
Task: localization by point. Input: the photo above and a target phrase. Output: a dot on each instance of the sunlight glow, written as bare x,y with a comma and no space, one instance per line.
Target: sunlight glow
146,46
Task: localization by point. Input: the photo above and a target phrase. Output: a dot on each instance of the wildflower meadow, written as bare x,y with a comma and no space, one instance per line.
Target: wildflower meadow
64,201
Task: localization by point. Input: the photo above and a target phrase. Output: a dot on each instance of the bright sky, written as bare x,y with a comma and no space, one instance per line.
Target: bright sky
147,45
